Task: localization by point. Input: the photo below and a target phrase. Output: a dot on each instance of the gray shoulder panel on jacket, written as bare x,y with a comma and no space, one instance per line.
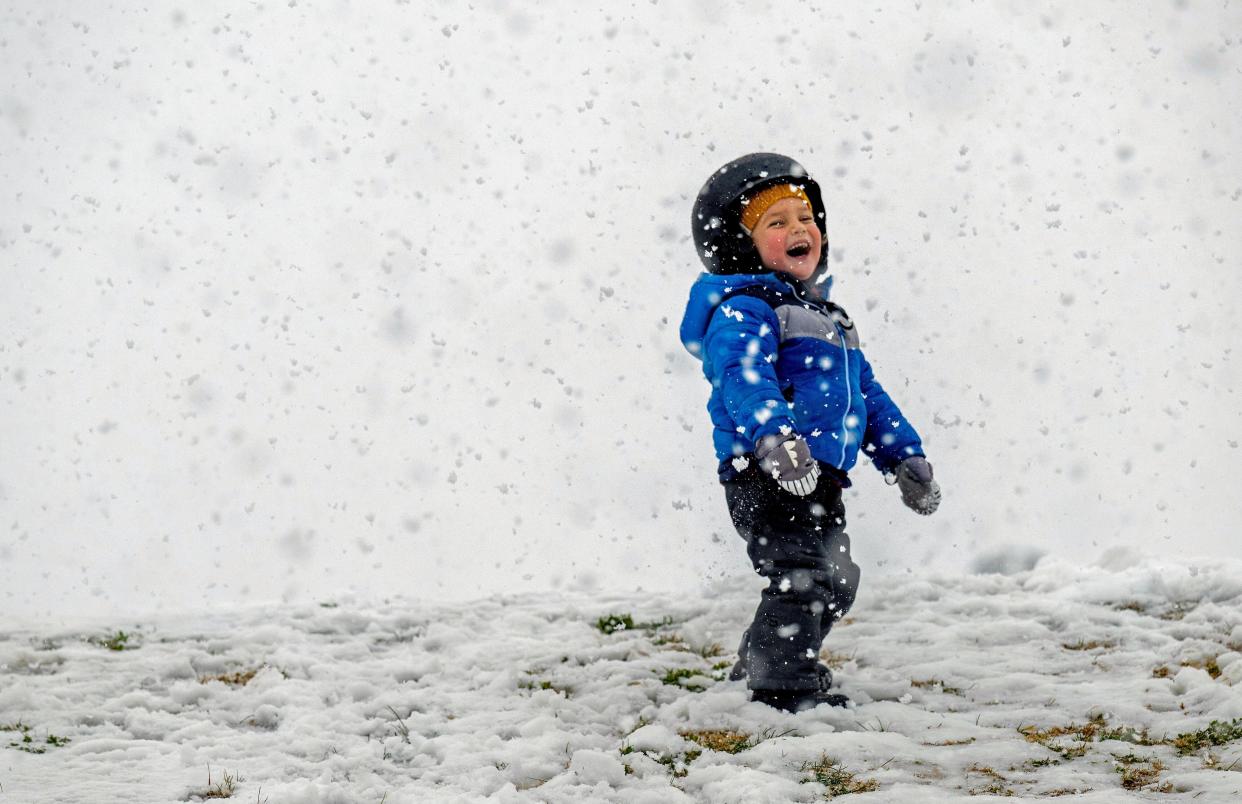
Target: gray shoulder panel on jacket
800,322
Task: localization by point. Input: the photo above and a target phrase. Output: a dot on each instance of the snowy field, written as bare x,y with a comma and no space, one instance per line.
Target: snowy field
1100,683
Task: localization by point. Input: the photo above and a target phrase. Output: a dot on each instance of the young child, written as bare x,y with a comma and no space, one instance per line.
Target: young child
792,401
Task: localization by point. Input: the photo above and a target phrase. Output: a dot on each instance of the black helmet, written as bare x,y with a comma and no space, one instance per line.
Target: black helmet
723,246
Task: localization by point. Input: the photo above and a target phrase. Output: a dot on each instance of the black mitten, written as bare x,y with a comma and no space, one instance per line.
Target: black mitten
919,491
787,459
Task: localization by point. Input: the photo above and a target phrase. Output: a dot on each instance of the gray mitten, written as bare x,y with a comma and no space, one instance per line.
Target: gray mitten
788,460
919,492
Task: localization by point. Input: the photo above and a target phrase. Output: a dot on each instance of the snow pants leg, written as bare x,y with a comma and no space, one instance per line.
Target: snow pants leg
799,544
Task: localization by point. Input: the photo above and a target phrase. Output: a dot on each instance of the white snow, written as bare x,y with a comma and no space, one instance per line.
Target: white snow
523,698
303,296
290,290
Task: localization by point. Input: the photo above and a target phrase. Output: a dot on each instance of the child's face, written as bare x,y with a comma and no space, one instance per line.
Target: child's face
787,238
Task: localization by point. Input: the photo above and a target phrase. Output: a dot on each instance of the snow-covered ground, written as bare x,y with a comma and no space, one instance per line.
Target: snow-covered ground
1057,680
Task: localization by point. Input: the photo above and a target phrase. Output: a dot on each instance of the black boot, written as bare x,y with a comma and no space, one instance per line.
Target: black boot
739,668
798,700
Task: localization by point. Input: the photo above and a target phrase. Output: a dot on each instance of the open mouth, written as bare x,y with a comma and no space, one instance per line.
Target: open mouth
799,251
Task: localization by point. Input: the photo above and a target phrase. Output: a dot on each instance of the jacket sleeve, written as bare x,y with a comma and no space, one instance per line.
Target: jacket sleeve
889,438
739,350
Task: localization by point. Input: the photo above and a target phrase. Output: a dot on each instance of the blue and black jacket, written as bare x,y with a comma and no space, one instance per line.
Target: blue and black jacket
779,362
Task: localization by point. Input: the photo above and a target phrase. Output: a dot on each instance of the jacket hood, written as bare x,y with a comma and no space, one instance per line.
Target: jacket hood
723,245
710,289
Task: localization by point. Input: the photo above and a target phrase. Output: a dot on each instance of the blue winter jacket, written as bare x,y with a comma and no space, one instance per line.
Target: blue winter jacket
776,361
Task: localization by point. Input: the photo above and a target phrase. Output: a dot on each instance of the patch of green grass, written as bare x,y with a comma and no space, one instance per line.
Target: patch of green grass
612,623
121,640
1218,732
677,764
27,741
1132,759
834,776
676,677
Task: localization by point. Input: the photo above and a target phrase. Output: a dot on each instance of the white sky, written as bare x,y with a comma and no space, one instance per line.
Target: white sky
303,297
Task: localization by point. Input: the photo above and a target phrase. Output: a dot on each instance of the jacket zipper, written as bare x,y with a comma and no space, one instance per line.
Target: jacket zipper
849,395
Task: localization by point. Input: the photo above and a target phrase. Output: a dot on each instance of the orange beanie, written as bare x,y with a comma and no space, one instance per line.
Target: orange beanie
754,206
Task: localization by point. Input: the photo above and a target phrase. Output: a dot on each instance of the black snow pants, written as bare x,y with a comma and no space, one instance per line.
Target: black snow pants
799,544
